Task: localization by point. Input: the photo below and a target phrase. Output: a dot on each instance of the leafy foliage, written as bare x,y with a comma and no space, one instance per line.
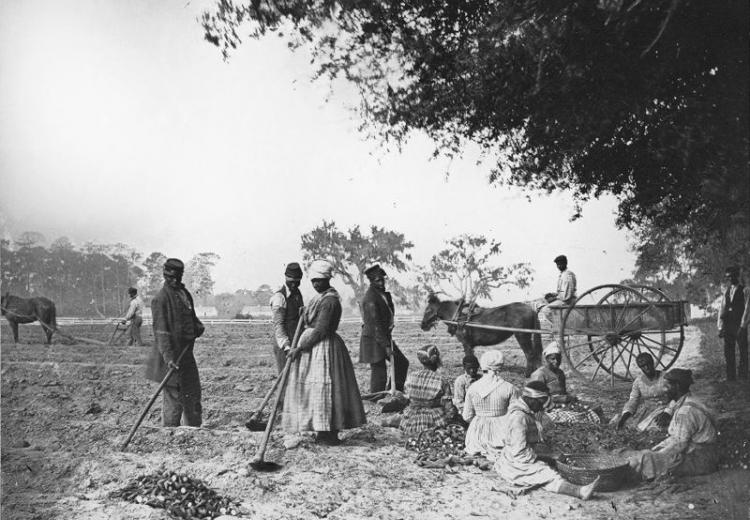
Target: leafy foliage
352,251
88,280
644,100
197,276
466,265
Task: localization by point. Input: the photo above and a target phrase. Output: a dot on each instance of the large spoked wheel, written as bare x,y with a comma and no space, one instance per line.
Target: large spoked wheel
603,332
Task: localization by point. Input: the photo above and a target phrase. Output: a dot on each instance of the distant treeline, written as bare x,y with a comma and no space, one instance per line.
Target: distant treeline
92,279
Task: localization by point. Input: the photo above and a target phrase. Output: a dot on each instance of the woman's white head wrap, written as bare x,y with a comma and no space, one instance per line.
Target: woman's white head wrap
492,360
551,348
320,269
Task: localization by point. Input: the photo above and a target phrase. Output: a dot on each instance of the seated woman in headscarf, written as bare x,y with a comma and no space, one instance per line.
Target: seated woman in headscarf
429,395
691,447
552,375
486,403
322,393
518,462
646,408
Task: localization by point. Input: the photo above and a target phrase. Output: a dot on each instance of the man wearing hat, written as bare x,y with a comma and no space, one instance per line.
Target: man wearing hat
734,317
175,329
285,305
376,343
691,447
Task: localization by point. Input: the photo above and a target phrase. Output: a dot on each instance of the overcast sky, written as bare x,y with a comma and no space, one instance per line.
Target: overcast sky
119,123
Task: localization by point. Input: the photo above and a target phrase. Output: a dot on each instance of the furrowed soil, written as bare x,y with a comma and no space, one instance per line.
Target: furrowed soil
67,408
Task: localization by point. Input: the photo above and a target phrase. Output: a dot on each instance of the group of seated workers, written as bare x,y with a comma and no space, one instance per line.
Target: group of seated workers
506,424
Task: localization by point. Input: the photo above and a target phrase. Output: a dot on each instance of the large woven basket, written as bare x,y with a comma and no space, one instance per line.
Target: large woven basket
583,468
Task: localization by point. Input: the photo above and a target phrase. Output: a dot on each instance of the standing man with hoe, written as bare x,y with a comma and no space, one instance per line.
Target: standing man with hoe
135,317
285,305
175,329
376,343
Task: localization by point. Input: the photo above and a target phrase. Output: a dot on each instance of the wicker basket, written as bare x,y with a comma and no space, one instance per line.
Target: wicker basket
583,468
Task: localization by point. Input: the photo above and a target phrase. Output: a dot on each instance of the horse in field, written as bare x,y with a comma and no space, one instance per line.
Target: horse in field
514,315
28,310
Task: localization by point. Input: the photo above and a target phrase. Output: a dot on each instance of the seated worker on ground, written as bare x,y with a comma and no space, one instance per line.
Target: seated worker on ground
691,448
462,382
486,403
552,375
646,408
429,395
518,462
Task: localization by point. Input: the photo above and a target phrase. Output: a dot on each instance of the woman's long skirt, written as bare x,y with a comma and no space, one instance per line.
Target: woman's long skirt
322,392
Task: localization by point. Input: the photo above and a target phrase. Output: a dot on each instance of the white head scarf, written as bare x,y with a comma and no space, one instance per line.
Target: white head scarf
492,360
320,269
551,348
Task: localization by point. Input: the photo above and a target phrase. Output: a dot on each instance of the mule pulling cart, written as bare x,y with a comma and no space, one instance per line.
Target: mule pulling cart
606,328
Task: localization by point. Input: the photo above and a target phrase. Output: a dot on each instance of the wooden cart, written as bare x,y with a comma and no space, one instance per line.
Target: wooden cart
603,332
608,326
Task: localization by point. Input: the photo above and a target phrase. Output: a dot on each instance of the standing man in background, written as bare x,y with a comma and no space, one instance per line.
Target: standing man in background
175,329
376,343
733,320
135,317
285,305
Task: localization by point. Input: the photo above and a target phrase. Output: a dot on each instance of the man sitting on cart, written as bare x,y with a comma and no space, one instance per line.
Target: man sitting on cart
563,297
566,285
564,407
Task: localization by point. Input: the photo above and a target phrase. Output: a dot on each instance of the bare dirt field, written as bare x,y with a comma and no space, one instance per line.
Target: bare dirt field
66,409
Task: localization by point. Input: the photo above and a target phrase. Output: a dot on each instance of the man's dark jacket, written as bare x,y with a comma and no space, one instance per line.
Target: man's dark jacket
175,328
377,319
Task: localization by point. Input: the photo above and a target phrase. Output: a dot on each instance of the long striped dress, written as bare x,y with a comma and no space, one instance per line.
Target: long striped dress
322,392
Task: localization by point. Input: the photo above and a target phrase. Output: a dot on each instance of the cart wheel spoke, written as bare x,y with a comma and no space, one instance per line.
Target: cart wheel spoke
637,317
657,357
661,345
630,359
593,353
598,366
587,343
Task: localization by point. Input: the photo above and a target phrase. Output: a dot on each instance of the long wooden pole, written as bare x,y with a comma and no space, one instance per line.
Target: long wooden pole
257,414
283,378
151,402
494,327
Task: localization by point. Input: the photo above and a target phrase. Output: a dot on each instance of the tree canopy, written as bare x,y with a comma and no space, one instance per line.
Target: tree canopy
352,251
644,100
467,266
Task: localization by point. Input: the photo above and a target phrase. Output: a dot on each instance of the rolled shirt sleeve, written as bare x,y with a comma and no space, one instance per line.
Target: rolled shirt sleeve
132,308
278,311
635,398
566,286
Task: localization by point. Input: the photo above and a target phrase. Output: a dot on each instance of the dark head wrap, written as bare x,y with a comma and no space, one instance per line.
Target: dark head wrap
643,357
429,355
293,271
681,376
471,360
